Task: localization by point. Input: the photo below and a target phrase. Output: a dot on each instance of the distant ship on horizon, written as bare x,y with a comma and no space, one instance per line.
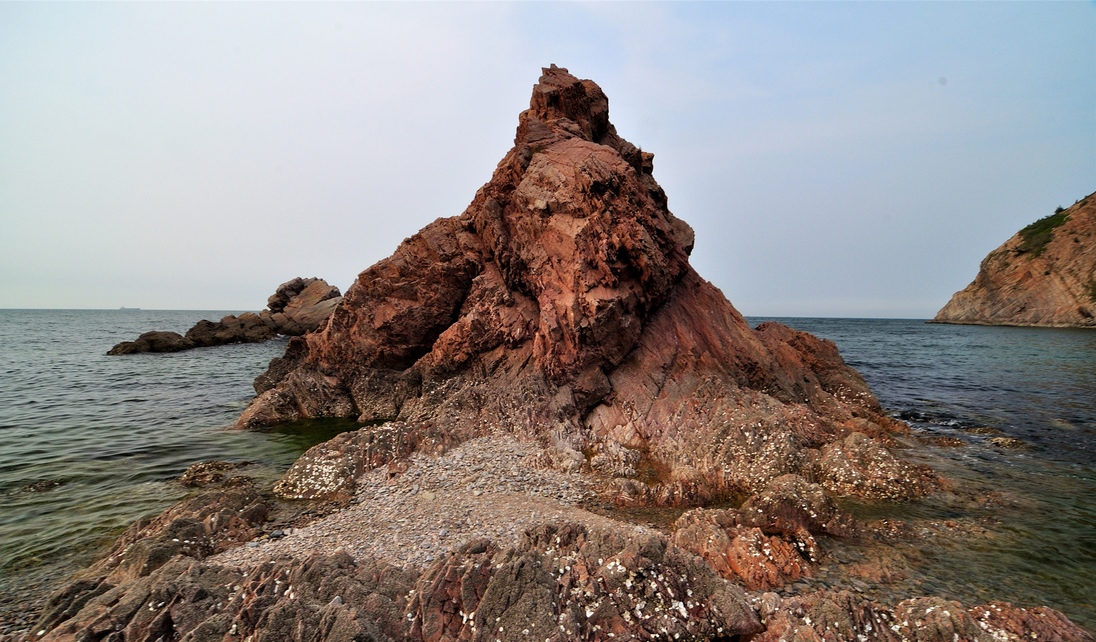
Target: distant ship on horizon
128,309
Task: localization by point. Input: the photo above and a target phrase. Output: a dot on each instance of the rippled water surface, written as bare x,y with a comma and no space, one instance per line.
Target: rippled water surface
89,443
976,383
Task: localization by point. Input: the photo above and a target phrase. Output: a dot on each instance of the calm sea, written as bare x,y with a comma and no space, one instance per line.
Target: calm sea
90,443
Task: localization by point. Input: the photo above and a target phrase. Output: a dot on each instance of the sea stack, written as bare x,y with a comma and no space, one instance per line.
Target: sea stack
1045,275
561,306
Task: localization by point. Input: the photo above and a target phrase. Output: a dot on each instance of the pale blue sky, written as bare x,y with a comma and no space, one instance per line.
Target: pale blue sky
835,159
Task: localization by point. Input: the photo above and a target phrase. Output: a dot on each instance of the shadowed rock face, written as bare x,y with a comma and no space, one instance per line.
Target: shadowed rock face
297,307
1045,275
561,305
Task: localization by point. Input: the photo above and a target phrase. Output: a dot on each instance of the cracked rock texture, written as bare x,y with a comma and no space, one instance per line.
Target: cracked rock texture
1036,278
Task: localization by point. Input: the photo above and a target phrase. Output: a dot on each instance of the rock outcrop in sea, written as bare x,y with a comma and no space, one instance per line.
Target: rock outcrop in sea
1045,275
561,306
545,386
297,307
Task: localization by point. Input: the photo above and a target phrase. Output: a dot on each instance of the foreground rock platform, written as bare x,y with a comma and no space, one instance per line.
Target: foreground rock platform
1044,276
297,307
567,434
485,543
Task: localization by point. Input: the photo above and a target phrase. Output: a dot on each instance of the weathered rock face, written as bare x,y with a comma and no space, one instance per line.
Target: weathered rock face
841,615
565,583
1045,275
561,305
297,307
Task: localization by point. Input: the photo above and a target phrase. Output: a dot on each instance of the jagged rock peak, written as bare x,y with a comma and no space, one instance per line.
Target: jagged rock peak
561,95
296,307
561,305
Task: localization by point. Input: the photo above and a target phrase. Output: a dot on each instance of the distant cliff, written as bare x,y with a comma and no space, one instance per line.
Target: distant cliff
1045,275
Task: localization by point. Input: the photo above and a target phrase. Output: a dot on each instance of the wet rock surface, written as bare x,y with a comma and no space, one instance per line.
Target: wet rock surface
297,307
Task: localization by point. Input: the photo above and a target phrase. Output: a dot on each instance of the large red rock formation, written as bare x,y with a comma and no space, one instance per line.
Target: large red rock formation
1045,275
561,304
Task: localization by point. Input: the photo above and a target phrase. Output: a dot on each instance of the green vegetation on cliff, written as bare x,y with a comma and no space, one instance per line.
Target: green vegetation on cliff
1037,235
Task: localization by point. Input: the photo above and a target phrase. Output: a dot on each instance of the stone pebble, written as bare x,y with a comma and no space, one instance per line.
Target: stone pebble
490,487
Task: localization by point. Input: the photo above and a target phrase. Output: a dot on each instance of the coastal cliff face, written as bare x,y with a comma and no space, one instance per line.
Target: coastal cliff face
561,305
1045,275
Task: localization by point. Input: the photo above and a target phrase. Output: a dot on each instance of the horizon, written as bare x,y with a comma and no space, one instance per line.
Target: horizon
835,160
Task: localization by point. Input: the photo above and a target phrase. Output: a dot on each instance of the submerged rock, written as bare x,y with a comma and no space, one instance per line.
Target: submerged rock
297,307
842,615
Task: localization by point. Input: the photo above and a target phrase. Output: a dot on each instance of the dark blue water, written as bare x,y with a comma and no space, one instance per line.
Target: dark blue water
90,443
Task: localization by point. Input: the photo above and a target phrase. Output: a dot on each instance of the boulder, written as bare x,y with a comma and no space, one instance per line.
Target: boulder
860,466
154,341
744,553
790,504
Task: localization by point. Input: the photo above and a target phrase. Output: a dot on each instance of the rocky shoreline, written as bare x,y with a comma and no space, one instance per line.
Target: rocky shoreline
567,434
425,544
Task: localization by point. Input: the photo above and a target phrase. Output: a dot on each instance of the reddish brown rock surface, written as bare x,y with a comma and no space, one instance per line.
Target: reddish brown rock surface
841,616
561,305
1045,275
297,307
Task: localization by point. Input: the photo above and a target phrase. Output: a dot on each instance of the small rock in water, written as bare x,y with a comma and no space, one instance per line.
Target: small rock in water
1008,442
39,486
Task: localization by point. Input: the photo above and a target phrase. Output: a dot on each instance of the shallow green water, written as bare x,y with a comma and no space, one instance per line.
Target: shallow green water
90,443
